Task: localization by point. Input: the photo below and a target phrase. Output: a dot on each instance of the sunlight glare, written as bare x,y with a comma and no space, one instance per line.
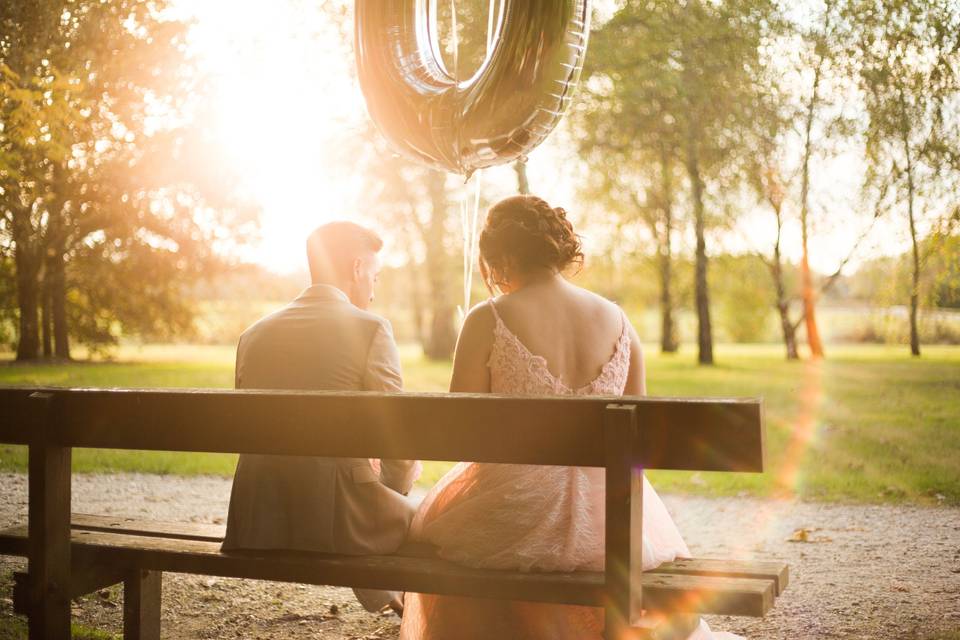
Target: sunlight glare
283,101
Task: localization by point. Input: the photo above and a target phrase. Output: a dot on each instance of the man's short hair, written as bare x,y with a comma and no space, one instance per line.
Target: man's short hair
332,249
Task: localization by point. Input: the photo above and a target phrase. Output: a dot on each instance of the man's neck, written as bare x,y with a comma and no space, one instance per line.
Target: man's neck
331,289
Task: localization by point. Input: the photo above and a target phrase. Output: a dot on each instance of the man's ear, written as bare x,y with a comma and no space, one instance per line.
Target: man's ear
357,269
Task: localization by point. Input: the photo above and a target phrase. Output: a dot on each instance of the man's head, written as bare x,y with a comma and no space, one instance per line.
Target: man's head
344,254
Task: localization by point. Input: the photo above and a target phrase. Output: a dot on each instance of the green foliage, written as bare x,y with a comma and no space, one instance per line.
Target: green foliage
742,291
886,281
110,197
15,628
943,270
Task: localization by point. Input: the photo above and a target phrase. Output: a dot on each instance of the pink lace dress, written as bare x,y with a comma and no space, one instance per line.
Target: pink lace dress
531,518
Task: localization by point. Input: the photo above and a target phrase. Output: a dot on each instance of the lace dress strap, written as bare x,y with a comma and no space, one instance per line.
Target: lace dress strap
493,308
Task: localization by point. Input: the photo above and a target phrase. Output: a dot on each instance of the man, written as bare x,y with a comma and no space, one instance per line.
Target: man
324,340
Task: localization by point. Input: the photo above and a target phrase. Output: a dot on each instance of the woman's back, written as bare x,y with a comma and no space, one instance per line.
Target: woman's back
554,337
548,337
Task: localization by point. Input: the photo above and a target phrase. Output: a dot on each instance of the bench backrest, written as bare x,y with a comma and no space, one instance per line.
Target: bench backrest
623,435
692,434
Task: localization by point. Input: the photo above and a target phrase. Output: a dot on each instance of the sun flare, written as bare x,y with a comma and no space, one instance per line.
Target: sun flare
283,97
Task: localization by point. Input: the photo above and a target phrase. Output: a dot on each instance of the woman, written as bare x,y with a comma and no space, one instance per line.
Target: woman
542,336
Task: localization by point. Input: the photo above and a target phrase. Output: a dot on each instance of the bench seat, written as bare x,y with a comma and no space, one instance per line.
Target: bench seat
699,586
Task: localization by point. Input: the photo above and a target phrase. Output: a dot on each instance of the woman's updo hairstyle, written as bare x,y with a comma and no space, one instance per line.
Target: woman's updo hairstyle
525,234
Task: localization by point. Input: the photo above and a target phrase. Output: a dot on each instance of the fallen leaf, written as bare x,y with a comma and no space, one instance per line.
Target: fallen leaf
804,535
800,535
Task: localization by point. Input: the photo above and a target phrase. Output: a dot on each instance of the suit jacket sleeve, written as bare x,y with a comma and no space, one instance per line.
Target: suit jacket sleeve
383,374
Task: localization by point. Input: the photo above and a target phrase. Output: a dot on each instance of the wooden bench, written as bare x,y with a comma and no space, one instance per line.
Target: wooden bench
71,555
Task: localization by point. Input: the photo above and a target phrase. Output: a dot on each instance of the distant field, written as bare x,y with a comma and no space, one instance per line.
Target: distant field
868,424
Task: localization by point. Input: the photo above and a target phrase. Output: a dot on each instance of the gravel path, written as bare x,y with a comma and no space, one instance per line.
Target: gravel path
863,572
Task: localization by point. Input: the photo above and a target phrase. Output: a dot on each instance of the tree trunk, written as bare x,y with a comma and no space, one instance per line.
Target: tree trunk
789,334
668,333
55,265
28,272
704,329
783,303
806,277
46,333
417,300
668,336
58,302
809,303
915,282
520,167
783,308
442,338
915,290
46,325
58,276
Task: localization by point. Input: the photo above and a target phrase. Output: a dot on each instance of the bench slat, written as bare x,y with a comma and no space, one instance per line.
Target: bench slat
692,434
151,550
779,572
134,526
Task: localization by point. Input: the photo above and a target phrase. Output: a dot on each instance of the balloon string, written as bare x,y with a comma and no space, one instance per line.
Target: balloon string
469,216
470,223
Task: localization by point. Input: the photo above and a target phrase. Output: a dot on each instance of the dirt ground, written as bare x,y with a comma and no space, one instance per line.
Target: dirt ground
857,571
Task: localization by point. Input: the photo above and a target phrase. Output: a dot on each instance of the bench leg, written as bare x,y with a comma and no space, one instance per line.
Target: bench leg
49,523
624,523
141,605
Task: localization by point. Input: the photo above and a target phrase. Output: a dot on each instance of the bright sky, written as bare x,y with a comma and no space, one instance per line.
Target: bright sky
286,97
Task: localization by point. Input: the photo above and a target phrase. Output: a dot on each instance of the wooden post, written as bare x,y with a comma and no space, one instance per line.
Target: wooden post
624,521
49,524
141,605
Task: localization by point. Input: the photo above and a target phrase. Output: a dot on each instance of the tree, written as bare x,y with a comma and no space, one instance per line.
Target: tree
416,203
103,181
822,41
638,197
674,84
781,178
909,72
766,177
772,189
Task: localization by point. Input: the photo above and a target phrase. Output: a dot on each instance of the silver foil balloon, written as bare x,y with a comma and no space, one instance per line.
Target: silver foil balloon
507,108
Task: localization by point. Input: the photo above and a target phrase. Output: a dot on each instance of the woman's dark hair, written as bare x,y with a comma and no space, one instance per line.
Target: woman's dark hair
524,234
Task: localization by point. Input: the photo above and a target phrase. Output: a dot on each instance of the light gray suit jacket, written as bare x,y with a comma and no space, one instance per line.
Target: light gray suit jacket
320,341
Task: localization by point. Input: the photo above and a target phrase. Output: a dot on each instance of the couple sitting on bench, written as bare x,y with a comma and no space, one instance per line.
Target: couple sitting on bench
541,336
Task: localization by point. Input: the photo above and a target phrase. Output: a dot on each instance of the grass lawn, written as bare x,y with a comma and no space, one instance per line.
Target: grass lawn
15,628
867,424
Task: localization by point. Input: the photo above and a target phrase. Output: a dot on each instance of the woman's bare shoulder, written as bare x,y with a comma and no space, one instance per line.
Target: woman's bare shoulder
599,307
480,320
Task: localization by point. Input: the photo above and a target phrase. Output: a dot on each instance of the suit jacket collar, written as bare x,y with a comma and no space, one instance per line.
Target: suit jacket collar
324,292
